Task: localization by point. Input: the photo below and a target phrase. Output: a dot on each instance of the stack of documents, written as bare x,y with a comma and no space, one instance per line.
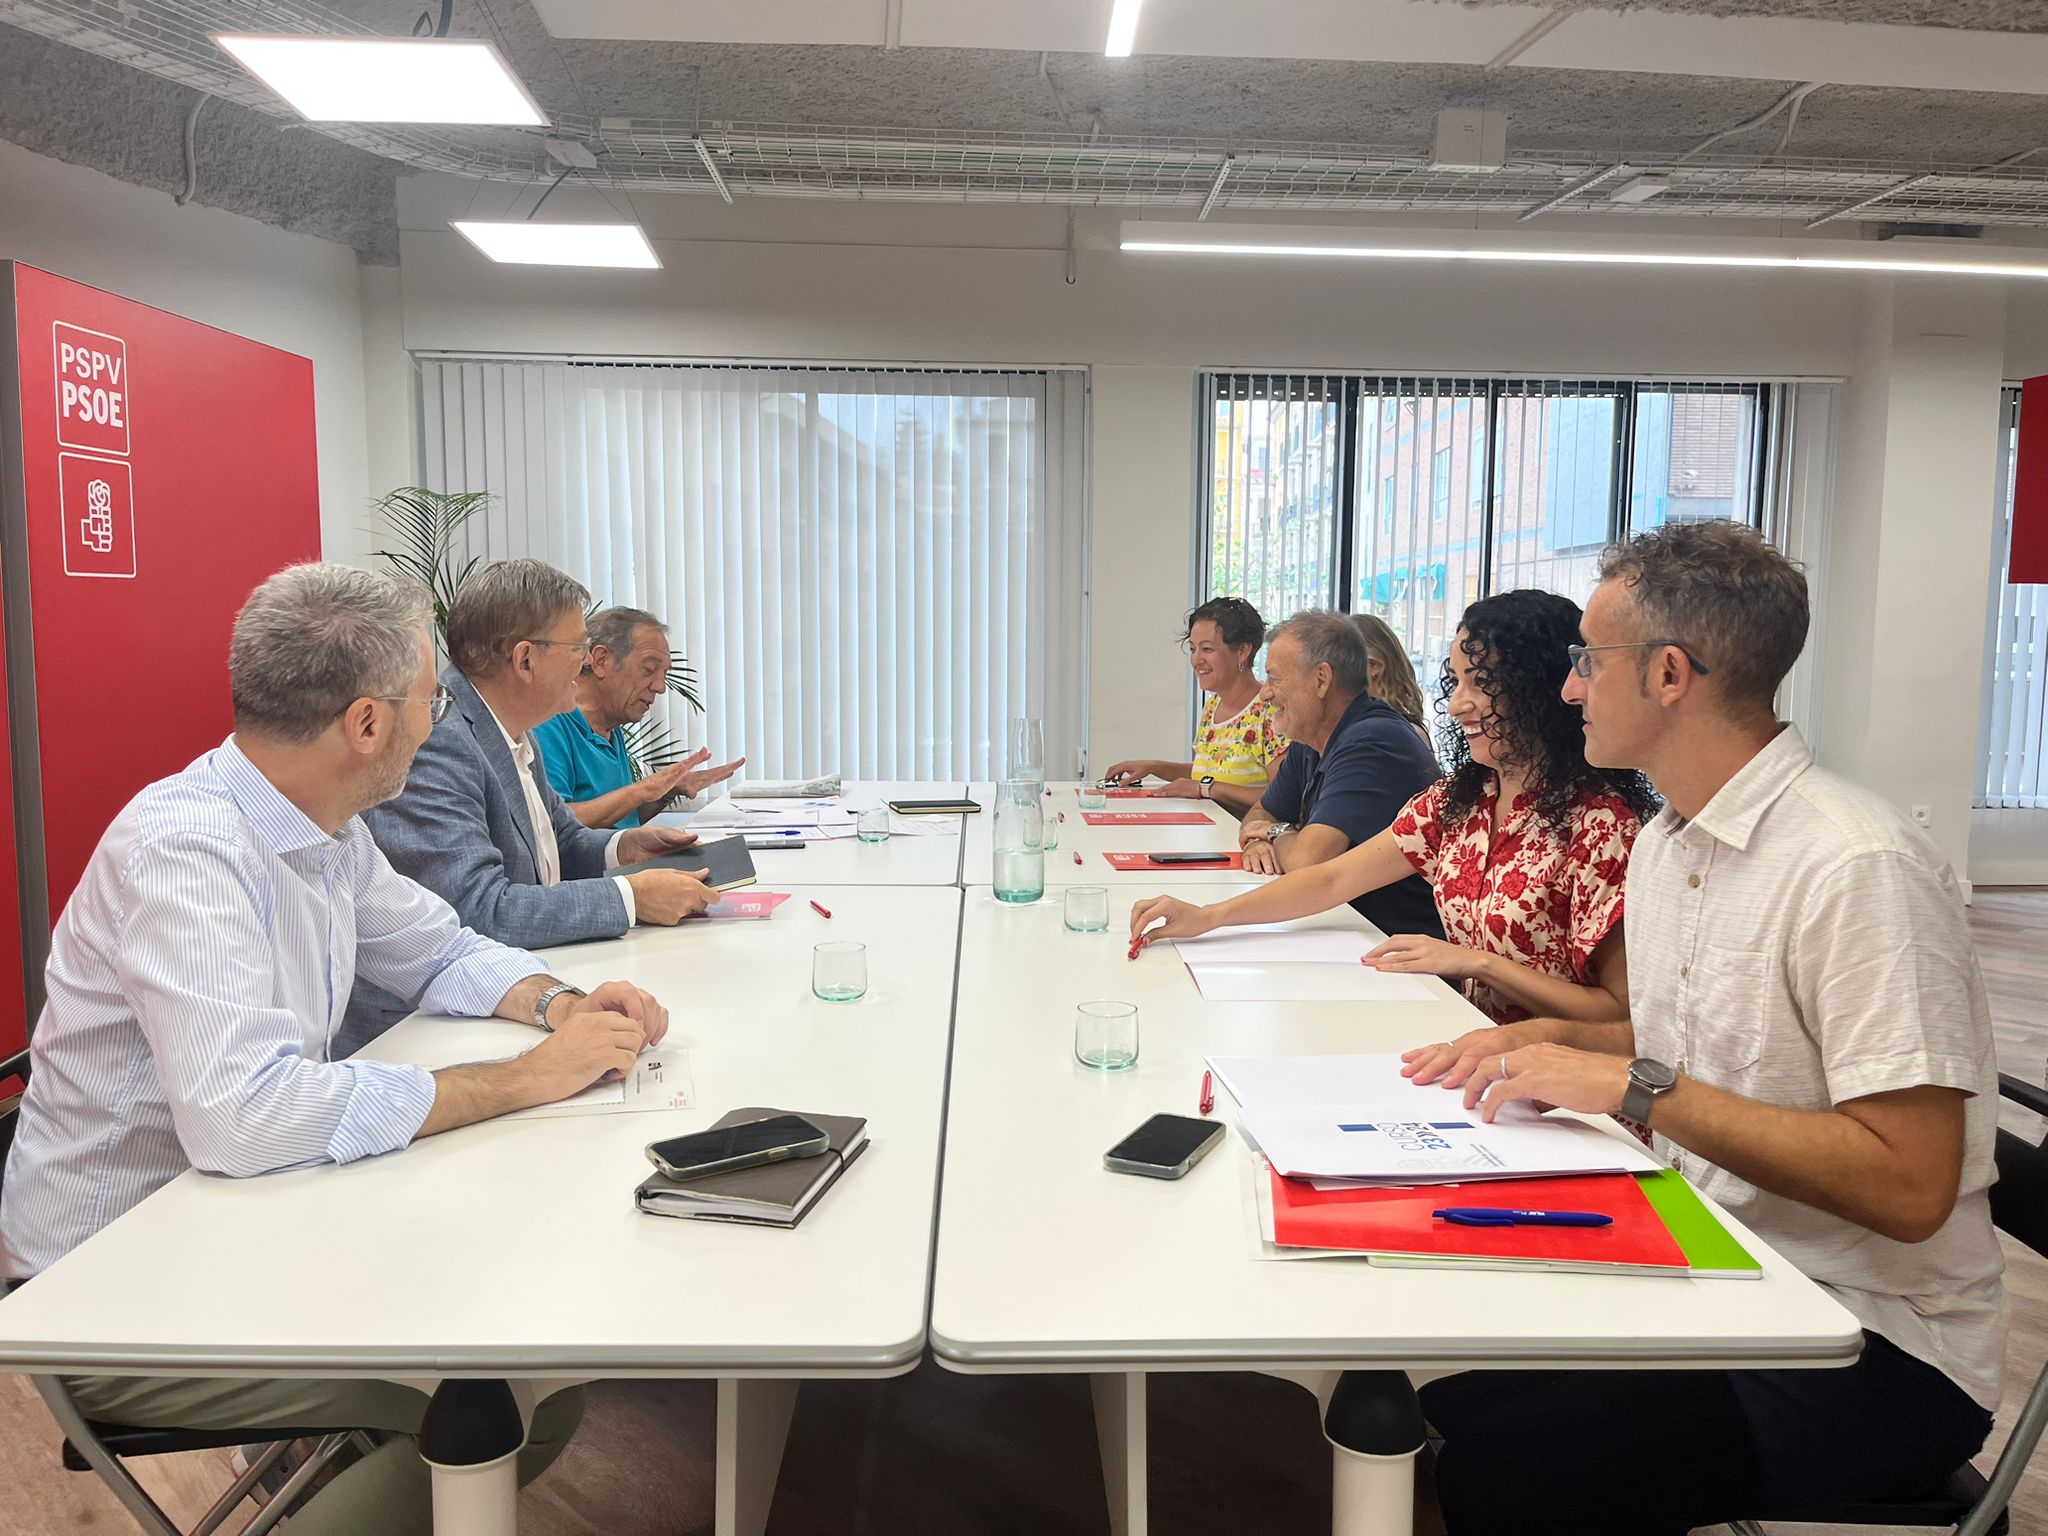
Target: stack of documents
1293,965
771,1195
786,789
796,820
1356,1119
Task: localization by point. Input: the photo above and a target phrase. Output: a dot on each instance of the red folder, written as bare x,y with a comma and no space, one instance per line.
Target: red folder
1380,1220
1144,862
1145,818
745,904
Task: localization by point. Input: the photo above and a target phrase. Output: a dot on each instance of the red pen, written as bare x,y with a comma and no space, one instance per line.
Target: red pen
1208,1092
1077,855
819,910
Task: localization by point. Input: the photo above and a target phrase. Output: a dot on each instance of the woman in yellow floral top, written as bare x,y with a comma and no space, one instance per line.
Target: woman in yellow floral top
1236,747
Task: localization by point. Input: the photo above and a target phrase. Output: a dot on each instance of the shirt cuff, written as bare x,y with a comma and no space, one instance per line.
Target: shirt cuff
611,852
387,1105
626,894
474,985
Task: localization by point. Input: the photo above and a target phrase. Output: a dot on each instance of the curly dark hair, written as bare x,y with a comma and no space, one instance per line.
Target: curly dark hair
1516,643
1236,620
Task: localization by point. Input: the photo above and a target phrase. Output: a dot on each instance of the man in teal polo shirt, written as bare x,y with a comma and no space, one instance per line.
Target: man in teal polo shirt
584,750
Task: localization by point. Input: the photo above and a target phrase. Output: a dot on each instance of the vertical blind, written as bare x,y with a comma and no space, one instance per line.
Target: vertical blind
1412,496
2010,730
871,571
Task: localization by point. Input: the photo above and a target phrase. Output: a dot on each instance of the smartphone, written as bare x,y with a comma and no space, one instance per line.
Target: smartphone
1187,858
1164,1147
746,1145
933,807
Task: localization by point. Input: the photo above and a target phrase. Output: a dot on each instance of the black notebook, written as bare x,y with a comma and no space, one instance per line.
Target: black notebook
730,864
772,1195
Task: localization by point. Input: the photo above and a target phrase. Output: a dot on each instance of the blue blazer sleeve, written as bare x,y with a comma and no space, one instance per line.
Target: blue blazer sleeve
451,830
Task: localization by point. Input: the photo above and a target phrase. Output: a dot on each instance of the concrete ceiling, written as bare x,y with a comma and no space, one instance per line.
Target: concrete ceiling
66,102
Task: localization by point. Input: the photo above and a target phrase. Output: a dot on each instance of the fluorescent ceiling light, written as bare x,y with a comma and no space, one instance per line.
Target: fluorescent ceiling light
389,79
560,245
1123,28
1248,247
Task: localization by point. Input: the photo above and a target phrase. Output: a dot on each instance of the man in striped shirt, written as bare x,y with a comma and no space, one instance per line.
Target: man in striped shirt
201,969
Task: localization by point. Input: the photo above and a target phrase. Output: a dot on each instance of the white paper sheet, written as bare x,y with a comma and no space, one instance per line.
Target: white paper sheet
1305,983
660,1079
1384,1142
1280,1082
1277,946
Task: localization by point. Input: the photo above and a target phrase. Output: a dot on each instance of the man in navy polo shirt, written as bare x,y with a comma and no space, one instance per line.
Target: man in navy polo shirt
583,750
1353,764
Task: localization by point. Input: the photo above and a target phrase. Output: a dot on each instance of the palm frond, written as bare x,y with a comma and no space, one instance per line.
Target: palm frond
423,524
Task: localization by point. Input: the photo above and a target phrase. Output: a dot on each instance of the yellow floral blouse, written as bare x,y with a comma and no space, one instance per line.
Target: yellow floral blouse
1241,750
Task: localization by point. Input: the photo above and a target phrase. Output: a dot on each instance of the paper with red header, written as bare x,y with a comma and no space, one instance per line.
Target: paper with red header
1145,818
745,904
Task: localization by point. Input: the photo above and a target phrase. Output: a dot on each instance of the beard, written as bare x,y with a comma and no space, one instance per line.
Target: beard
388,781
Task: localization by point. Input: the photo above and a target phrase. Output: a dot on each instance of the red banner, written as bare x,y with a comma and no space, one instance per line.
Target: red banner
167,468
2029,561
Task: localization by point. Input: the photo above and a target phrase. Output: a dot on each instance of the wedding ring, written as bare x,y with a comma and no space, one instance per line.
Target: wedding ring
1503,1066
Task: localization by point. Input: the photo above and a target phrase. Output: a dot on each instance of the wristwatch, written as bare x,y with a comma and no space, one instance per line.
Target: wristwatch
1648,1080
542,1003
1267,834
1206,783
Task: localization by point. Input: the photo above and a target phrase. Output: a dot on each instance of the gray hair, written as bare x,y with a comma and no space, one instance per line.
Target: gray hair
1329,637
1724,593
503,604
315,638
615,629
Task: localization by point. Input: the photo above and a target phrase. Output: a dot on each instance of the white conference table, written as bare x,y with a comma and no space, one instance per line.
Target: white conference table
513,1249
929,856
1047,1262
1218,834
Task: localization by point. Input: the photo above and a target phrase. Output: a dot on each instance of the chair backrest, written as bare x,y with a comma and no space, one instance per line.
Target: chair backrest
2019,1200
13,1084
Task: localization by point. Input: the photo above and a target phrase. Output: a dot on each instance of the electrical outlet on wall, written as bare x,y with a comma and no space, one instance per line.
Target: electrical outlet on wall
1923,816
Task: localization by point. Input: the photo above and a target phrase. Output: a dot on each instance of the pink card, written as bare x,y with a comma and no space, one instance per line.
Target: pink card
747,904
1145,818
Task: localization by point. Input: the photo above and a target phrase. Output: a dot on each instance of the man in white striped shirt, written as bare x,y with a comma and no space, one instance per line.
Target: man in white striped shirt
201,969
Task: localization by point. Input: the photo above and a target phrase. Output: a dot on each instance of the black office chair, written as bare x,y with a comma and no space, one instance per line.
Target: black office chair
91,1446
1967,1501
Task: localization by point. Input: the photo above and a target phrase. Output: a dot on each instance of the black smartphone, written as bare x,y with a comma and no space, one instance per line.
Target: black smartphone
745,1145
1164,1147
934,807
1187,858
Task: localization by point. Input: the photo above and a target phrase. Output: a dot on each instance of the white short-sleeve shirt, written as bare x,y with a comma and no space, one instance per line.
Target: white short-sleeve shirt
1800,943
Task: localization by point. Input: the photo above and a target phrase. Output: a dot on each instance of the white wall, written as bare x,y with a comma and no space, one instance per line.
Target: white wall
912,283
284,290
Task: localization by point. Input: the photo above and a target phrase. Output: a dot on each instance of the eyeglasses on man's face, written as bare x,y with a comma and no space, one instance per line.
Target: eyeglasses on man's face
437,704
1582,655
580,647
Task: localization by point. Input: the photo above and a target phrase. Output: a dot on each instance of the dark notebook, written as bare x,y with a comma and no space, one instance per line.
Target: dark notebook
772,1195
730,864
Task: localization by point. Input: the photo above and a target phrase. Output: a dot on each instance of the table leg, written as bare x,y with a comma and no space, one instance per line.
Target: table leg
1374,1425
753,1424
471,1438
1120,1432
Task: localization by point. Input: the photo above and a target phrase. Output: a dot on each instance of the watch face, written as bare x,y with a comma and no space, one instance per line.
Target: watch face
1654,1075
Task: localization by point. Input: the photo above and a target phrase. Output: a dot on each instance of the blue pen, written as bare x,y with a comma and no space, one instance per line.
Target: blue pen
1493,1216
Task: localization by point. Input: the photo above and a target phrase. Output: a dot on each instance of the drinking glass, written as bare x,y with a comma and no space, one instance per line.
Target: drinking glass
1092,797
1019,840
1106,1035
1051,838
872,824
1087,909
839,971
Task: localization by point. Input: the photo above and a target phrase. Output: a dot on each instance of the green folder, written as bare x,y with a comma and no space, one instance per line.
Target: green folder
1710,1249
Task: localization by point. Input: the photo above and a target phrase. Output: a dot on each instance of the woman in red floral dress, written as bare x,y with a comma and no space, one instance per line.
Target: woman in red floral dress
1525,843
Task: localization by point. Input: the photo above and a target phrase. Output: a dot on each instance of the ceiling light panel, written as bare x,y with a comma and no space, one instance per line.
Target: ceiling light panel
519,243
389,79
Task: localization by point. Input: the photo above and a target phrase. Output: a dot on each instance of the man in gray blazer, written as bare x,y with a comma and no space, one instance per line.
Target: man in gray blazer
479,824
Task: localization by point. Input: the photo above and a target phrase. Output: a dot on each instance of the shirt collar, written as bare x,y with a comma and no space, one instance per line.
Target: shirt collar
272,817
1731,816
516,745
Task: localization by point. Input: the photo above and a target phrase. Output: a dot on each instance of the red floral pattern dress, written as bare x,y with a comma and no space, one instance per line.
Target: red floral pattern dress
1543,896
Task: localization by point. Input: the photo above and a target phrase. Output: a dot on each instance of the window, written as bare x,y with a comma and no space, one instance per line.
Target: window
2012,730
872,571
1573,466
